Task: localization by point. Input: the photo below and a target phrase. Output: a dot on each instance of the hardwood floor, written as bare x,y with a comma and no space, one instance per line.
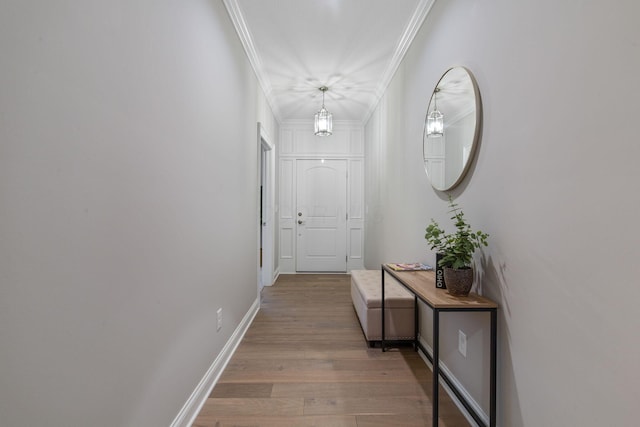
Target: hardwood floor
304,362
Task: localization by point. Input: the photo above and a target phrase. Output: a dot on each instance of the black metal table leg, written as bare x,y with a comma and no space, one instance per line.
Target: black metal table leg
382,313
493,369
416,322
436,367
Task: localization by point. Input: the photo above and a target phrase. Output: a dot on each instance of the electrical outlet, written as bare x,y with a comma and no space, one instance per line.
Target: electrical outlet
462,343
219,322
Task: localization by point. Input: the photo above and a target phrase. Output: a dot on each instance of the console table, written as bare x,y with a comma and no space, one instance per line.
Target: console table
422,285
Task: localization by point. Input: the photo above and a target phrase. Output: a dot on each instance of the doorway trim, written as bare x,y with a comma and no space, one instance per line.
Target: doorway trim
266,213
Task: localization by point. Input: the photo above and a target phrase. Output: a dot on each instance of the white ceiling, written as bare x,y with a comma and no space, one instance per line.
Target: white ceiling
351,46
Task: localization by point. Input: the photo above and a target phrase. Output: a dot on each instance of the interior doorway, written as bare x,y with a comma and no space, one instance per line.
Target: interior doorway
265,209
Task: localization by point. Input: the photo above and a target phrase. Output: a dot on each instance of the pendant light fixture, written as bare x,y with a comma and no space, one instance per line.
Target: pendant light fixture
324,119
435,120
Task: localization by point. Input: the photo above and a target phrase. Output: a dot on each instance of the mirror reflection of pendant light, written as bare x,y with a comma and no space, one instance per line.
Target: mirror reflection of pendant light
324,119
435,120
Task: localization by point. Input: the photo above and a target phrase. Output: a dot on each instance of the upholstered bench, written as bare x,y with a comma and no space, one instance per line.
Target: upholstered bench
366,294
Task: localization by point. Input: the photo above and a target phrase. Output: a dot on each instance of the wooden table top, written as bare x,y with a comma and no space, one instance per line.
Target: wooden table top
423,284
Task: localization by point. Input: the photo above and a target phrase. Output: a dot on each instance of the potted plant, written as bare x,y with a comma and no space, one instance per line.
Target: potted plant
457,250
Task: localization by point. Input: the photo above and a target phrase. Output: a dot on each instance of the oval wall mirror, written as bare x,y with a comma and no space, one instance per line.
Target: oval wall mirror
451,128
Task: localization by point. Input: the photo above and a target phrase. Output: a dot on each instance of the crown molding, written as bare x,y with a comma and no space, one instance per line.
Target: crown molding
417,19
237,18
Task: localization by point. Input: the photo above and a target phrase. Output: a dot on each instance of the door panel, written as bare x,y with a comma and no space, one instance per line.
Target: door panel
321,198
434,160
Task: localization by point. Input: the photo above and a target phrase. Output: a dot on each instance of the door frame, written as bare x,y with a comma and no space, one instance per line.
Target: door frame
266,209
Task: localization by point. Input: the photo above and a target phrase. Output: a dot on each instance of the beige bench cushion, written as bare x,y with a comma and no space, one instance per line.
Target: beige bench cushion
368,283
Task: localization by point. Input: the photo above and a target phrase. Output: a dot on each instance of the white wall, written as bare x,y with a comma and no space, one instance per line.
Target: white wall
121,125
555,183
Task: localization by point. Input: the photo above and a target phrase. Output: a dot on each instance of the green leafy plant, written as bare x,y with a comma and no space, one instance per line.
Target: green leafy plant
457,248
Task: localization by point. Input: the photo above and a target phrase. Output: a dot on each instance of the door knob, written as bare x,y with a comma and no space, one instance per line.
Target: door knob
299,221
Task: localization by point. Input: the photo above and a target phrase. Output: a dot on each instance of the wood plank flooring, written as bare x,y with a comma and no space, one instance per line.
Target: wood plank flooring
304,362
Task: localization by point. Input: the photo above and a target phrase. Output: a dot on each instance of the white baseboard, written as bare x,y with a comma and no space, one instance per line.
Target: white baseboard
276,274
470,400
192,407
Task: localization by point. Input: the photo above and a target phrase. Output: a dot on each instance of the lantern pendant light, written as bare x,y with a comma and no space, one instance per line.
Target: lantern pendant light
323,119
435,120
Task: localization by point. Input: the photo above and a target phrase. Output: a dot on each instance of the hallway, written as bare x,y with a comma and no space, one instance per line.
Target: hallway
304,361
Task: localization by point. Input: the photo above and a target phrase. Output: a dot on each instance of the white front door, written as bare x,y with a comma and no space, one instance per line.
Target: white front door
321,216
